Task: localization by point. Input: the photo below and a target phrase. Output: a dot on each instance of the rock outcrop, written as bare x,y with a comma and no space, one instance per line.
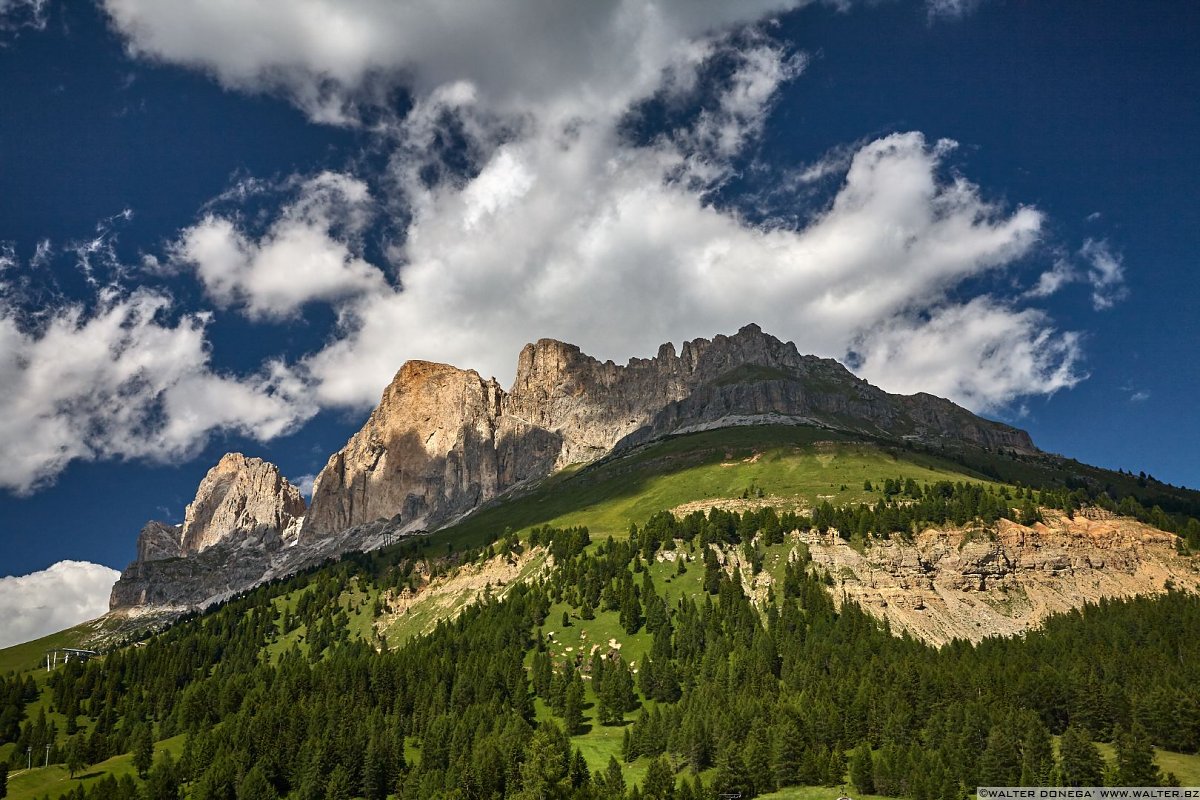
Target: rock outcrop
158,541
242,502
239,495
973,583
443,440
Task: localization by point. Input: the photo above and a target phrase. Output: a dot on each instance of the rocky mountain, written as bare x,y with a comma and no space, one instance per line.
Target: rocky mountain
242,503
444,441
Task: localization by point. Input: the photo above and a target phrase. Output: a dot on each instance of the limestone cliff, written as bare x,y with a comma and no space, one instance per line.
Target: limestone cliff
241,499
443,441
239,495
427,451
158,540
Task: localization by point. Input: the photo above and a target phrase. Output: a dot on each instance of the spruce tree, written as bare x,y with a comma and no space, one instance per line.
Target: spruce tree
163,782
1135,758
572,707
611,782
1000,763
731,776
660,780
74,755
143,750
862,769
1080,763
255,786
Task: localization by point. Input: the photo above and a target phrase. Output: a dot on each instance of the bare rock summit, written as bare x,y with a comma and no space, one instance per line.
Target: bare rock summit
240,495
241,501
443,441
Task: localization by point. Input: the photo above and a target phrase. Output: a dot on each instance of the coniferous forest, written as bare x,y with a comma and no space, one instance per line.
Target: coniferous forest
730,697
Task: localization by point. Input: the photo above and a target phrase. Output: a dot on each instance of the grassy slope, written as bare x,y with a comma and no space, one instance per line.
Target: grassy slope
790,465
54,780
799,464
32,655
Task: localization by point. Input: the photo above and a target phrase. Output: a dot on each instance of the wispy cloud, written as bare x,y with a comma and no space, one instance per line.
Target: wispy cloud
1106,273
18,14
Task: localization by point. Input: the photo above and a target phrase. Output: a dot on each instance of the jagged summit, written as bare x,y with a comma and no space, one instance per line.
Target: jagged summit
443,441
239,498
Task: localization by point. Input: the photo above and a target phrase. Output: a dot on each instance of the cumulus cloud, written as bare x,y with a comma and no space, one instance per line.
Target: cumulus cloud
330,55
17,14
636,259
527,210
62,595
1106,273
305,256
122,381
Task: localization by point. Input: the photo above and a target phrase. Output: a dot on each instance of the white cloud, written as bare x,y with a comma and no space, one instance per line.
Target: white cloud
1055,278
305,484
16,14
1139,396
561,227
303,257
950,9
58,597
599,249
565,59
122,381
981,354
8,256
1106,273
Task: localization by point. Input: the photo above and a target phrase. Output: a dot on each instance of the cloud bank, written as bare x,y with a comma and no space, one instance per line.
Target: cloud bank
521,201
62,595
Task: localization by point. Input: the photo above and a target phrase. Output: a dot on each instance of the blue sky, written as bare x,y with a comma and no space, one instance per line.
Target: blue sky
226,228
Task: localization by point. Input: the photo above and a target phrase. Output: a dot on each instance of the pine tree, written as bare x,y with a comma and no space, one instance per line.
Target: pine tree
1135,758
572,707
143,750
74,755
660,780
1000,763
611,782
374,772
3,780
338,785
1080,763
1037,753
731,776
255,786
579,773
545,771
163,783
712,571
789,751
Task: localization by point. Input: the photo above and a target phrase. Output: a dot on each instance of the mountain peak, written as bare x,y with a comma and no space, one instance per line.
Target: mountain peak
443,441
239,495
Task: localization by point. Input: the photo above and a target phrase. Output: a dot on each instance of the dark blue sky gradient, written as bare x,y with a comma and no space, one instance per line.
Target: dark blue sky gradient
1076,108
